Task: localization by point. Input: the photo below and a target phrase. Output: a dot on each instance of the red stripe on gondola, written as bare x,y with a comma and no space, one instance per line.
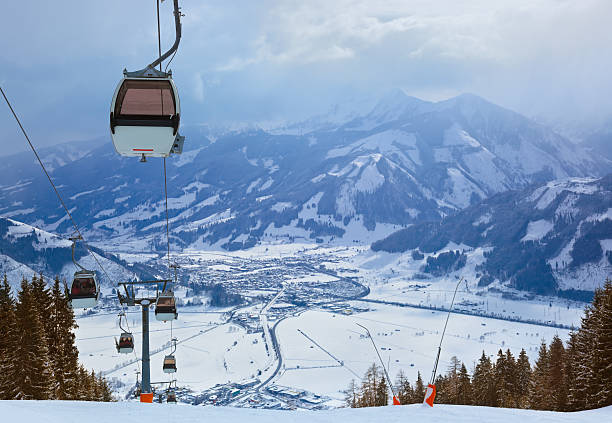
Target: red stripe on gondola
142,149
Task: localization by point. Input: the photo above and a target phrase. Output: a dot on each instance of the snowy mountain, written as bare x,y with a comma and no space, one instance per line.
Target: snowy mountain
26,251
550,239
404,161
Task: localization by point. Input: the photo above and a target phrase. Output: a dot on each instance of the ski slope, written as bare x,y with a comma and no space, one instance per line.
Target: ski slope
91,412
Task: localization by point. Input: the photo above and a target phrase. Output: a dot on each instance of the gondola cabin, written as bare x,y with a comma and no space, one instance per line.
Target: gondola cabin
145,116
84,290
169,364
165,307
126,343
171,397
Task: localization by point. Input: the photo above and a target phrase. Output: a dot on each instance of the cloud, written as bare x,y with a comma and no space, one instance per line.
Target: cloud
285,59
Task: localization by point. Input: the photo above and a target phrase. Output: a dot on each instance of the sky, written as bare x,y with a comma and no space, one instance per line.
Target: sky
246,61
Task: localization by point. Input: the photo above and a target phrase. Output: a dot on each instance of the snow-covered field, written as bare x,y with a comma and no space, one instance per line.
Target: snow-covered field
209,351
68,412
408,340
214,350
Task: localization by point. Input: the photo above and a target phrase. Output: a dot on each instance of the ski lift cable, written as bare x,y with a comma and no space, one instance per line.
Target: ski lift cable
76,228
160,59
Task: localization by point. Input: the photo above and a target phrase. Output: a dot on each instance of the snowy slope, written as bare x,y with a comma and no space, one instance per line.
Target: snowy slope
68,411
550,239
26,250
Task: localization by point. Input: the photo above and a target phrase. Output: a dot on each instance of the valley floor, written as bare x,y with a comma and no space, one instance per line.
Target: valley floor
91,412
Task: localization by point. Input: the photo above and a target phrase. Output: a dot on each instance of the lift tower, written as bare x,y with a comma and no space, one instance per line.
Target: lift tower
131,299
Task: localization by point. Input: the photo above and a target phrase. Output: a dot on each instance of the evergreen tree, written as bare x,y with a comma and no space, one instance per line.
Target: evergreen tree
499,370
62,350
382,392
556,375
602,351
523,380
510,381
465,387
35,378
483,382
419,390
8,343
540,391
571,361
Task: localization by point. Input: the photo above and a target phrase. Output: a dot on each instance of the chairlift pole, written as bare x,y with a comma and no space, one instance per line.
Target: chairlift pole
146,358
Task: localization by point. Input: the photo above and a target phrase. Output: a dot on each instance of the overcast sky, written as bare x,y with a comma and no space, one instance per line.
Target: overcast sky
264,60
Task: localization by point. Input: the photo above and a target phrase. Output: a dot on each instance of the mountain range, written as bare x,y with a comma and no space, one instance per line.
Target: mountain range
354,178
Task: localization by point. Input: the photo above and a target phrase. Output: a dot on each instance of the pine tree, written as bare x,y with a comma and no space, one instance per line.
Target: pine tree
602,352
419,390
510,380
62,350
540,391
382,392
35,378
8,343
483,382
499,370
107,394
556,375
465,387
571,363
523,379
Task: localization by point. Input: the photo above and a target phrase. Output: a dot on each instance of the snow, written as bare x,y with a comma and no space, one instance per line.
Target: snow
461,189
280,206
545,195
266,184
186,157
73,411
537,230
388,143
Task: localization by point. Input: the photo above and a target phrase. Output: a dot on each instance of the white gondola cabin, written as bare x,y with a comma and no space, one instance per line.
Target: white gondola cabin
84,290
126,343
145,115
165,307
169,365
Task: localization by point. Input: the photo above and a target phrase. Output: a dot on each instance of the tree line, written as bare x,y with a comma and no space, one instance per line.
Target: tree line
38,356
565,377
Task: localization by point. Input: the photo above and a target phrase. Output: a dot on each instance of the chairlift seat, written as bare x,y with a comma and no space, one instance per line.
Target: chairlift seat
84,290
145,116
169,364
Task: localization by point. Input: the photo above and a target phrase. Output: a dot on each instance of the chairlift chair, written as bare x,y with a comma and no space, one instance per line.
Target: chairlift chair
165,307
169,364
